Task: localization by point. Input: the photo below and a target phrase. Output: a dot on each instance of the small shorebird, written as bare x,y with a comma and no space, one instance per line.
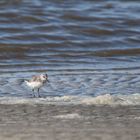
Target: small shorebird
36,82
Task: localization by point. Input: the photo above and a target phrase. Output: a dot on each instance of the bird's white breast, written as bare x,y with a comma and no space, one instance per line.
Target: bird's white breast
34,85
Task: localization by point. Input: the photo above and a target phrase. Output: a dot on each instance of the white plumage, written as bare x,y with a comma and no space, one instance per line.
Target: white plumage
36,82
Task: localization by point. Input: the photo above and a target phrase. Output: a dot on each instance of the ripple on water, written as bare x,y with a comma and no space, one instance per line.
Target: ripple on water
87,48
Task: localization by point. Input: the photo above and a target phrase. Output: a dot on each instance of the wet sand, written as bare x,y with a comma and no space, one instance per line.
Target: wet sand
69,122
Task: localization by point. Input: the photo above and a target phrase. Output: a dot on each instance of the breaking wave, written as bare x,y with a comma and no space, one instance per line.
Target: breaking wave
106,99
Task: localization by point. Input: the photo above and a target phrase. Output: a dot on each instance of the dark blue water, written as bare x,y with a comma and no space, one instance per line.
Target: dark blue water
86,47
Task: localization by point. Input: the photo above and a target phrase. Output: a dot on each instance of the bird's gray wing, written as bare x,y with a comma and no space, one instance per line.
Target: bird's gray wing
34,78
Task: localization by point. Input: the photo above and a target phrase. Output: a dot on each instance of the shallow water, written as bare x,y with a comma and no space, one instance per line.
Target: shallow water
88,48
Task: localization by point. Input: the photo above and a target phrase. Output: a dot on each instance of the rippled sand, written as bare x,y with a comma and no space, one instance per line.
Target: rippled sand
69,122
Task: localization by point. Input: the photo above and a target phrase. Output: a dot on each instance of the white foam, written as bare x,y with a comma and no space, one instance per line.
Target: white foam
102,99
136,118
32,101
68,116
106,99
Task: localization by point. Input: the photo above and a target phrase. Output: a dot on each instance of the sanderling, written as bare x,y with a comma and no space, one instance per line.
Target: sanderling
36,82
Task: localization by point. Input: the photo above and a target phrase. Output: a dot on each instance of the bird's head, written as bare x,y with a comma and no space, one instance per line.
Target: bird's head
44,77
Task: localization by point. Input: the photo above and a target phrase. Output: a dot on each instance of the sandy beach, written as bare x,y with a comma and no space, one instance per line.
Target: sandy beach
69,122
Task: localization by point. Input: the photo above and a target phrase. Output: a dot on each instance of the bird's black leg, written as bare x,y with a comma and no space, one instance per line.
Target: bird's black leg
38,92
33,93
